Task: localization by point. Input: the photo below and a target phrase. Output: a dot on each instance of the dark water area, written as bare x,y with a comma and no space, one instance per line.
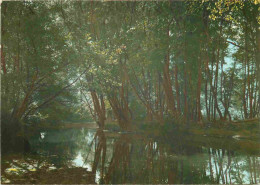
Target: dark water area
82,156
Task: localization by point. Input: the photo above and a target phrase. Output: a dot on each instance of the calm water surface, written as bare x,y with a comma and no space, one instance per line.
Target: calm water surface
74,156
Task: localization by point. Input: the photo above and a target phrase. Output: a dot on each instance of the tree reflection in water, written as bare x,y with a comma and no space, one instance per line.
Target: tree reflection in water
145,160
128,158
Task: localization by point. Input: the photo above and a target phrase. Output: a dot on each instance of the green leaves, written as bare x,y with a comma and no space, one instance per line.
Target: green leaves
118,43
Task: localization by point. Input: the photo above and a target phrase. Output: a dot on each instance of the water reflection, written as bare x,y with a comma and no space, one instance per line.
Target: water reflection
89,156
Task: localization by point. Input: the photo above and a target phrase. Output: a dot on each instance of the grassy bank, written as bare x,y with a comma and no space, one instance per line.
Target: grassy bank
239,136
248,129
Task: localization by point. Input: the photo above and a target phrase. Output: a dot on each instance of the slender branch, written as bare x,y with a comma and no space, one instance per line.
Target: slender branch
54,96
235,44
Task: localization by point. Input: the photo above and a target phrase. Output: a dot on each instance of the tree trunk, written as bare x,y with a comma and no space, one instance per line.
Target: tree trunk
3,64
99,107
177,89
199,116
168,87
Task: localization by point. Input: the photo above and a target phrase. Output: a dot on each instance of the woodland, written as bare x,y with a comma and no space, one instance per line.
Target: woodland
162,62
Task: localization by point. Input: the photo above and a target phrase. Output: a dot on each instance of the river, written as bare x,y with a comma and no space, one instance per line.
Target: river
84,155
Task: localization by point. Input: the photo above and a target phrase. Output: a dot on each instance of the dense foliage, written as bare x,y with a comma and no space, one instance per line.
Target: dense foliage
157,61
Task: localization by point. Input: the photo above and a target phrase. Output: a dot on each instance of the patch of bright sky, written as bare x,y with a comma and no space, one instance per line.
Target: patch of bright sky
228,59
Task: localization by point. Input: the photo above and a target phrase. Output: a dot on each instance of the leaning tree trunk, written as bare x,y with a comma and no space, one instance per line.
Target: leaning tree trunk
121,111
99,106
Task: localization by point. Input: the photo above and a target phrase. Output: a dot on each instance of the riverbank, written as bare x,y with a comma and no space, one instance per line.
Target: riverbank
246,129
240,130
243,136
